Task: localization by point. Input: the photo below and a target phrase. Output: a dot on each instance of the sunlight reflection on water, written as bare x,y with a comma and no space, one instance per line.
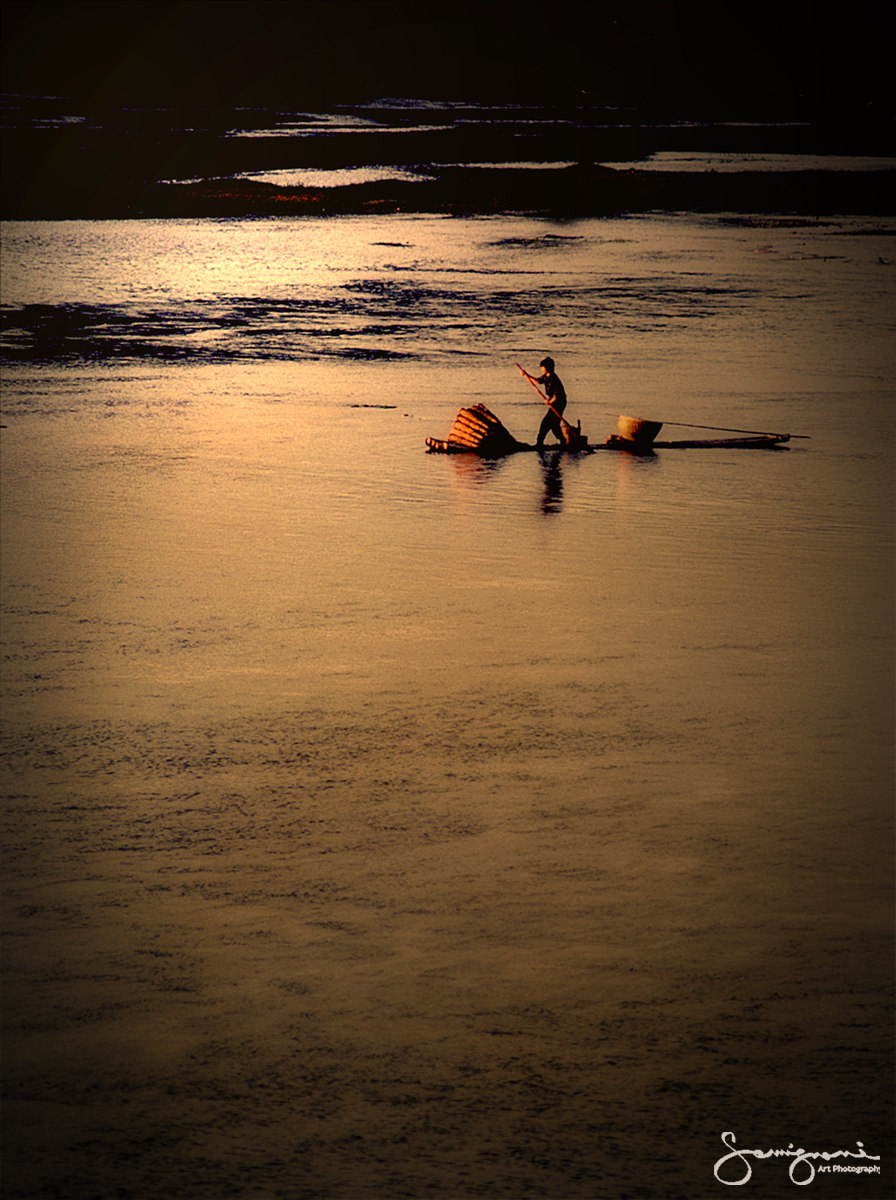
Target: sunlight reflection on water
335,767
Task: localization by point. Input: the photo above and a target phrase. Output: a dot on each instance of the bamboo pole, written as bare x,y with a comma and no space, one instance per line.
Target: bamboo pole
725,429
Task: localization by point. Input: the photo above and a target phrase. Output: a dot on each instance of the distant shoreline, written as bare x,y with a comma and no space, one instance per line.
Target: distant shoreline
445,159
562,193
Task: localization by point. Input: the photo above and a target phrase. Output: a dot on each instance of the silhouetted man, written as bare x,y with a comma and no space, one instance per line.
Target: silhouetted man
556,394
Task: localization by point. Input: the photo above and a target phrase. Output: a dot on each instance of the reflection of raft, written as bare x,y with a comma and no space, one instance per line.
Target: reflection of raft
478,431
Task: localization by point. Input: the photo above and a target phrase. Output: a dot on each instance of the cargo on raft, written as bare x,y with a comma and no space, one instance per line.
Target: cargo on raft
476,430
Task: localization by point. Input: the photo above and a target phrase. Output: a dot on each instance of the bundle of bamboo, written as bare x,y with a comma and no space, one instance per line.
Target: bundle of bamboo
478,430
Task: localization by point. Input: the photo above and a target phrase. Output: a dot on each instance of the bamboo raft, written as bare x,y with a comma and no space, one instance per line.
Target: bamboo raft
476,430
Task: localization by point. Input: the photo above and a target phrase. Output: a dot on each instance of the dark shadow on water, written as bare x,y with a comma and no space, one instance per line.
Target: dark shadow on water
472,471
210,331
469,470
552,475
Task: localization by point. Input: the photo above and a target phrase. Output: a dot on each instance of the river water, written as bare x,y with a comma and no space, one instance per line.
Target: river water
382,823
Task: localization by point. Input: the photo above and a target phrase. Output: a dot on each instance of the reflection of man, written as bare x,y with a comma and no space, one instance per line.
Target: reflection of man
552,499
556,394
